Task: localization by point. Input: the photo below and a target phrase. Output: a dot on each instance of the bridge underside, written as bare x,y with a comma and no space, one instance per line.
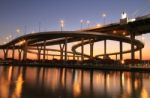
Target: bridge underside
39,43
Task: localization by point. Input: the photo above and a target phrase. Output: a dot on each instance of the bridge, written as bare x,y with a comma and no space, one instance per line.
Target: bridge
38,43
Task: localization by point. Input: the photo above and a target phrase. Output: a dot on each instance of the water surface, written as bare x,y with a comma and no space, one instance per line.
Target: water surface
40,82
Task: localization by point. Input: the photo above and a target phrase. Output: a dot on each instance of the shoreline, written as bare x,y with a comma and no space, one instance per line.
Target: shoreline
90,66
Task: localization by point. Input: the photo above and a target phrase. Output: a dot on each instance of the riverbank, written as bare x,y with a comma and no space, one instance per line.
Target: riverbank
85,66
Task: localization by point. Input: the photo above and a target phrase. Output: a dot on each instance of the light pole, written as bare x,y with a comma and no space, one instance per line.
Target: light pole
61,24
7,38
88,23
104,16
18,31
10,37
81,22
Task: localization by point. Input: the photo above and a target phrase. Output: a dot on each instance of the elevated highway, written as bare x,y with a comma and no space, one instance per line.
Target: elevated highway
38,43
139,25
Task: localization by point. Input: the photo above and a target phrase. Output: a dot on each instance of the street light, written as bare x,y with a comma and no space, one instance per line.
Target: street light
61,24
10,36
18,31
7,38
81,22
88,23
104,16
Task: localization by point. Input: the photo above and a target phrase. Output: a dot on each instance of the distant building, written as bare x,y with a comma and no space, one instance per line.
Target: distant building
124,18
123,15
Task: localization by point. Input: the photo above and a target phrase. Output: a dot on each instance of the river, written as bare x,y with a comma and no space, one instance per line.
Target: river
40,82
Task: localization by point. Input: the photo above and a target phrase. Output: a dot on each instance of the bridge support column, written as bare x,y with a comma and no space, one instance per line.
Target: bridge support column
44,51
61,50
140,54
121,49
13,52
19,54
116,57
47,54
25,50
5,53
105,47
91,48
74,56
66,41
132,36
39,48
82,49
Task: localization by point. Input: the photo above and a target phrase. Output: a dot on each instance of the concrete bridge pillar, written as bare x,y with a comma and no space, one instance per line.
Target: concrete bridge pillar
116,57
5,53
140,54
91,48
47,54
44,50
19,54
132,36
82,49
13,52
74,58
39,48
61,50
66,41
121,50
25,50
105,47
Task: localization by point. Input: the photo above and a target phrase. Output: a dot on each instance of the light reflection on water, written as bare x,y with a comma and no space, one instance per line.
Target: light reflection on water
35,82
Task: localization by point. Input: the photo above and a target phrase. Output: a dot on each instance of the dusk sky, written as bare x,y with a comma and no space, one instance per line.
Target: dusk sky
16,14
